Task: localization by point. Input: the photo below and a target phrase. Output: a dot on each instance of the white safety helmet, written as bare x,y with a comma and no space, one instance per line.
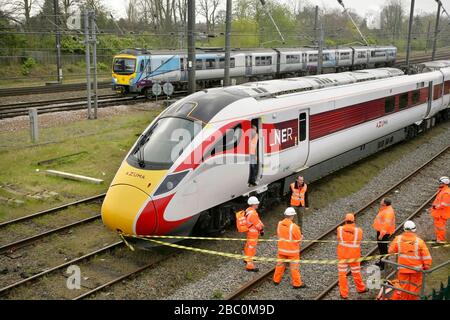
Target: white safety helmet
444,180
252,200
409,226
290,212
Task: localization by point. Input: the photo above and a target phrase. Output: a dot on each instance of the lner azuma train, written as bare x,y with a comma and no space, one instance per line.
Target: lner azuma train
135,71
189,169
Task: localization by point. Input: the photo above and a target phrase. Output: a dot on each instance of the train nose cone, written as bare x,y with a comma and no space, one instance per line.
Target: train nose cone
123,204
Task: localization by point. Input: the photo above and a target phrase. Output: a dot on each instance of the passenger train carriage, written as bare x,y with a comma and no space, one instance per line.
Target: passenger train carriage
136,70
188,171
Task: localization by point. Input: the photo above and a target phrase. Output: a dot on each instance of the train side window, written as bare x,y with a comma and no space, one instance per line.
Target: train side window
415,96
182,64
232,62
199,64
389,104
210,63
403,100
268,61
302,126
258,61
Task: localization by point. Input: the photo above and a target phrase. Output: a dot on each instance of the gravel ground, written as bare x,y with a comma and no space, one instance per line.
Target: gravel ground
60,118
231,274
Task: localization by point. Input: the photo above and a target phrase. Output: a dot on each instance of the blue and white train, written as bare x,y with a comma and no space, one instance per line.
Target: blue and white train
136,70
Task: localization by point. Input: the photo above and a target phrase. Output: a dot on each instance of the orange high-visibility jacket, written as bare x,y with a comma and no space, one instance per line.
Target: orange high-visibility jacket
349,241
442,204
385,220
412,251
253,143
288,230
253,222
298,195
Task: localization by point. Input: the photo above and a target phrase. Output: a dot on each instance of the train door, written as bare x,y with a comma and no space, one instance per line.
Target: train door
256,152
248,65
302,139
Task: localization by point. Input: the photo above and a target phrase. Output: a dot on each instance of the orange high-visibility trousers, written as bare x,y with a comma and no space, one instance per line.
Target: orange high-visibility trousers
411,282
250,250
355,268
295,270
440,228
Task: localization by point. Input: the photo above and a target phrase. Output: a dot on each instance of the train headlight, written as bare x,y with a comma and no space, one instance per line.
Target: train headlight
170,182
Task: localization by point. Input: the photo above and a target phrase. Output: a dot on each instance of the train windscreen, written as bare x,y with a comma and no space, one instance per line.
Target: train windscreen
164,142
124,65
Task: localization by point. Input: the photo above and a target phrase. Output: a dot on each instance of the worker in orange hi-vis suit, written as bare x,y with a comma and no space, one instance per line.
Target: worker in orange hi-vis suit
349,247
384,225
440,210
289,236
255,228
412,252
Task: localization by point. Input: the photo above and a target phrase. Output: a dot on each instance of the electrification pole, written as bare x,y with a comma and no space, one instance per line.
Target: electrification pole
408,45
320,53
94,59
58,42
436,29
316,20
427,43
226,79
88,61
191,46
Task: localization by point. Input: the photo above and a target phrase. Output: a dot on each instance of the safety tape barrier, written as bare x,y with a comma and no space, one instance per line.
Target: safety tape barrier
245,239
264,259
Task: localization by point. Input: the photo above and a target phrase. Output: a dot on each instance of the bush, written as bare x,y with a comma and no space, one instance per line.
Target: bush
27,65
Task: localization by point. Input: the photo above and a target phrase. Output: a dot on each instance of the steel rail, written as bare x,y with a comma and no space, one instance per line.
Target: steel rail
58,267
21,243
52,210
252,283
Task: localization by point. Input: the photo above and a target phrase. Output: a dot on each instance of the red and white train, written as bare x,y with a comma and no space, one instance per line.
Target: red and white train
189,169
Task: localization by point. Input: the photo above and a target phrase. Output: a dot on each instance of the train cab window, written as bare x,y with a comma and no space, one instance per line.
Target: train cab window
142,66
302,126
228,141
199,64
389,104
210,63
403,100
415,96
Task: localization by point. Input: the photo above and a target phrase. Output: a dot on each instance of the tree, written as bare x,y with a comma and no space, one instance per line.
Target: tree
19,11
208,8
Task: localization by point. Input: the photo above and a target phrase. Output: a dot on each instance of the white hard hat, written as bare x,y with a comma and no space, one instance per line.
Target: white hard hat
252,200
444,180
290,212
409,226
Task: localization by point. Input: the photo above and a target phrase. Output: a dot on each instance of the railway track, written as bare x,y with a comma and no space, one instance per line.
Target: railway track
307,251
14,110
7,92
14,245
20,109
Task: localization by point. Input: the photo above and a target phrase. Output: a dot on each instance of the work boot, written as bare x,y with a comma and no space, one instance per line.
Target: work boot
345,298
365,290
253,270
300,287
276,283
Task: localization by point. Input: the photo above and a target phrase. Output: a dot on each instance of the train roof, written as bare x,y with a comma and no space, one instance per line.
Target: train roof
273,88
220,51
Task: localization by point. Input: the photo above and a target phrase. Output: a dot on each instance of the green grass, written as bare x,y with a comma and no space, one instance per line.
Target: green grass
105,141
